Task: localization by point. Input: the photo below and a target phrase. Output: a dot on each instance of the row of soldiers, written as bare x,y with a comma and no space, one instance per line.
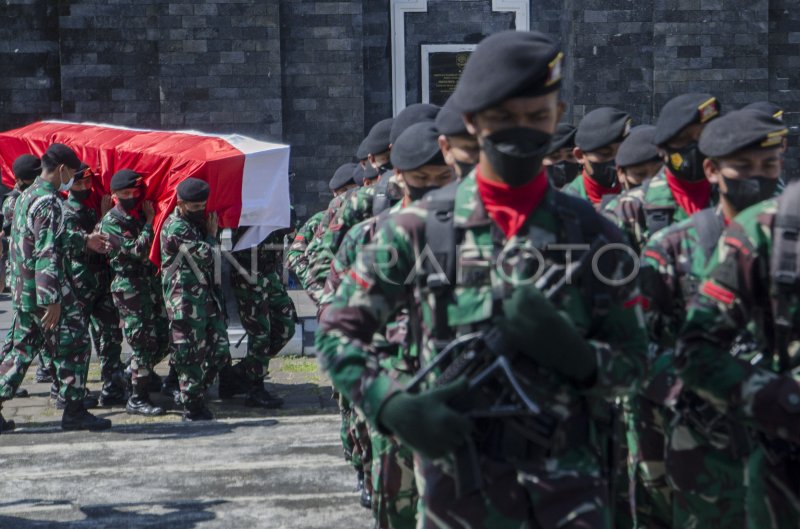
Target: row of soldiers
80,272
617,354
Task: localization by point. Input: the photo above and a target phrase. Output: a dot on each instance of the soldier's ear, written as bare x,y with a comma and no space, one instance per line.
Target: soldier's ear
711,170
578,154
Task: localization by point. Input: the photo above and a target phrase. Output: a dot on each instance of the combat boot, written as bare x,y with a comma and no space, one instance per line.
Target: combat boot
77,418
360,481
366,498
197,411
232,382
89,402
113,392
154,382
43,375
21,393
140,403
259,397
6,426
170,385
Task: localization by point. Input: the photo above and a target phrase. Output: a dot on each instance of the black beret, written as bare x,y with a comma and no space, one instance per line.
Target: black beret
359,173
563,138
193,190
343,176
417,146
682,111
765,106
125,179
26,167
449,122
377,141
410,115
505,65
82,172
602,127
739,130
58,154
639,147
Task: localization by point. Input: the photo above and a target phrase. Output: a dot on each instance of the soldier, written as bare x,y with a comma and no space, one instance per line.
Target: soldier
135,286
91,281
418,160
751,282
638,158
46,315
267,314
562,166
296,257
195,305
460,149
597,139
681,188
503,215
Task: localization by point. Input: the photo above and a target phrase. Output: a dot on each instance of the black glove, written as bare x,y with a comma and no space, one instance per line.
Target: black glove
532,325
425,422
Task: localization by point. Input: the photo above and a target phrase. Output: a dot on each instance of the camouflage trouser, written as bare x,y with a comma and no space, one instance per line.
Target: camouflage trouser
268,316
362,446
708,482
200,350
67,349
394,496
542,498
106,335
651,494
773,494
145,325
345,412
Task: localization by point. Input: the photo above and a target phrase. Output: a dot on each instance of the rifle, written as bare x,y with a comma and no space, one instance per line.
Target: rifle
484,359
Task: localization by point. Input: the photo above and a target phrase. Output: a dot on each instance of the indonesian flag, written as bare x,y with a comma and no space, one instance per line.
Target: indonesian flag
249,179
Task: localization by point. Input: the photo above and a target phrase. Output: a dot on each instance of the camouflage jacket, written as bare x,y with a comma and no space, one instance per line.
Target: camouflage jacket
88,271
356,208
383,281
296,256
652,199
8,210
38,248
314,288
737,290
188,257
129,259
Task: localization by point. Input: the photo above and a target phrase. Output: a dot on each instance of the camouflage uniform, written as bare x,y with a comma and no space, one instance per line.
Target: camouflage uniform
395,494
297,256
558,487
195,306
136,291
90,277
737,289
266,311
704,462
38,251
313,251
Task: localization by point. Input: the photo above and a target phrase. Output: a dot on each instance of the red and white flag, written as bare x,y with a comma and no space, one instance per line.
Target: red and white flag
249,179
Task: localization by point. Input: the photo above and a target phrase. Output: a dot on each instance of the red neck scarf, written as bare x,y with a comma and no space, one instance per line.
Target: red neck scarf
596,191
510,206
690,196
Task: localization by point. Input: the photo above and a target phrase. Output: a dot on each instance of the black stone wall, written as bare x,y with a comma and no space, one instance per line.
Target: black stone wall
317,74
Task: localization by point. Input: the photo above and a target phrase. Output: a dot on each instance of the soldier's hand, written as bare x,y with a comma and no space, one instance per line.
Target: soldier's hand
106,203
52,314
98,243
212,224
425,422
149,211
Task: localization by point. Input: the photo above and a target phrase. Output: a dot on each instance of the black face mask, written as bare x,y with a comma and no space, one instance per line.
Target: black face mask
745,193
416,193
686,163
605,173
196,217
385,168
81,195
128,204
562,173
465,168
516,154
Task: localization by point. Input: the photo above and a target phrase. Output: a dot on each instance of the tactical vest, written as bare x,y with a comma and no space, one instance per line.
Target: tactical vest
785,270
